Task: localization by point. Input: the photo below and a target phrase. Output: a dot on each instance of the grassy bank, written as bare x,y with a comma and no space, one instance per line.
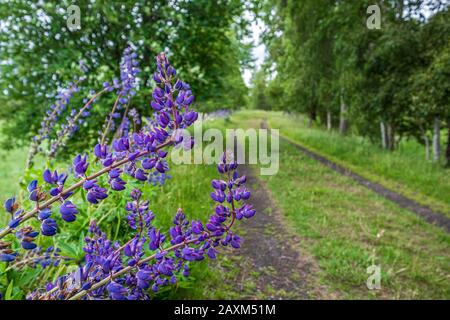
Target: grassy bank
404,170
188,188
347,228
342,225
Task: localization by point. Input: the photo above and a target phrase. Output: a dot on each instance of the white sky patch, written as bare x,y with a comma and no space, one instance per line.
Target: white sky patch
259,49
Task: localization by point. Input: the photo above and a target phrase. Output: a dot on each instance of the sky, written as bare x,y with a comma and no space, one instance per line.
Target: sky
258,51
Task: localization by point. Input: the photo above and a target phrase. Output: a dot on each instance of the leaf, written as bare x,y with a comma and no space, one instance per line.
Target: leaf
68,250
27,277
118,227
8,293
80,244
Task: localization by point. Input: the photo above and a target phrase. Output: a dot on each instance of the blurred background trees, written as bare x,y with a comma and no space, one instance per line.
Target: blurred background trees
385,84
38,55
322,60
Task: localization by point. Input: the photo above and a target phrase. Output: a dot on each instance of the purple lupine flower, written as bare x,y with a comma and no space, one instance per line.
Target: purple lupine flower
68,211
39,257
117,184
158,178
140,175
51,117
73,122
80,165
105,260
27,236
49,227
13,223
128,71
156,239
161,166
44,214
10,205
89,184
33,190
246,211
190,242
7,257
100,151
96,194
117,291
218,196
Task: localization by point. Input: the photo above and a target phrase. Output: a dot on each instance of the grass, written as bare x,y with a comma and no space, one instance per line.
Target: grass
188,188
12,164
347,228
404,170
344,226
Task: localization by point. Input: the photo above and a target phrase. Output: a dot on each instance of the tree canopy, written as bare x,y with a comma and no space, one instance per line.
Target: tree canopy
39,54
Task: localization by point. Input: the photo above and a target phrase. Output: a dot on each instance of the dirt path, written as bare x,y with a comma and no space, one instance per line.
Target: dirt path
270,257
426,213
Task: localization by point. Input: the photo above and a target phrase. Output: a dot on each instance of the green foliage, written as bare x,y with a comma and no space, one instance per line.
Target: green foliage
404,170
259,98
325,56
38,54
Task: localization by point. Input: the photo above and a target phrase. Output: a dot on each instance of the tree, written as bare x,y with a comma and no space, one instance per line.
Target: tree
431,83
389,82
39,54
259,96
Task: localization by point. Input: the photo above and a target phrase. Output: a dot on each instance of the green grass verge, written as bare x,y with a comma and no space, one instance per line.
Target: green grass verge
404,170
347,228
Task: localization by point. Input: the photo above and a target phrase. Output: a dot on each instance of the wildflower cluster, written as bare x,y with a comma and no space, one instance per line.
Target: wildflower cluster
38,256
51,117
74,120
151,258
125,90
158,179
76,117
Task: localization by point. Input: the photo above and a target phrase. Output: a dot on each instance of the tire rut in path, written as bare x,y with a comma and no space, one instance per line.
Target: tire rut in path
425,212
271,250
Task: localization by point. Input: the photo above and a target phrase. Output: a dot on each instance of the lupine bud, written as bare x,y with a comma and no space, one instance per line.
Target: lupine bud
32,186
14,223
10,205
49,227
68,211
44,214
6,257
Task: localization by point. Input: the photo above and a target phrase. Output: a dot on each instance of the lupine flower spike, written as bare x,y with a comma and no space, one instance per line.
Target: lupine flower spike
152,258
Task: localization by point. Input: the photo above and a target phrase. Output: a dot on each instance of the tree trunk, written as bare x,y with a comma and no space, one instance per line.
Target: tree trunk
329,121
427,147
436,140
343,123
383,135
447,152
390,136
312,118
